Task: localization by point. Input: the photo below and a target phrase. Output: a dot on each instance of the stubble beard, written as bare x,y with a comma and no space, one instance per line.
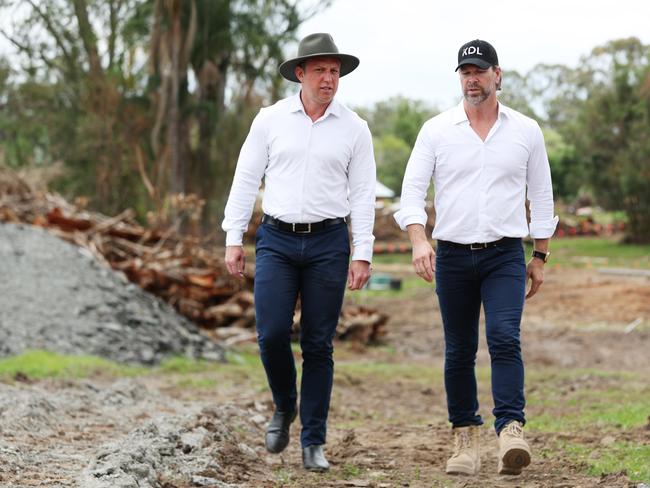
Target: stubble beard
477,99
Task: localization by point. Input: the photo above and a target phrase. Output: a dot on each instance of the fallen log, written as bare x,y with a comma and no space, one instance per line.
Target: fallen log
182,270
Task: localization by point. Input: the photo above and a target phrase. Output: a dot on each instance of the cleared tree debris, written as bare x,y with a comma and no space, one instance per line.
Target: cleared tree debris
188,273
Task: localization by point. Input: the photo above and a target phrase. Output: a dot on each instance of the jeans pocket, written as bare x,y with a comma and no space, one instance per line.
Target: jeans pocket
346,240
512,246
443,251
259,237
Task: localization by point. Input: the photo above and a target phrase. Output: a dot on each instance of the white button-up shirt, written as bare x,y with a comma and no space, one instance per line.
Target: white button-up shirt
480,186
312,171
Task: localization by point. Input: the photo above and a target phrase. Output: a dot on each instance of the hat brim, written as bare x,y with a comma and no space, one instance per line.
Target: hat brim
348,64
481,63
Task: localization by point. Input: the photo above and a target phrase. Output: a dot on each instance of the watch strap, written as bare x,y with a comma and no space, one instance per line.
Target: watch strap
541,255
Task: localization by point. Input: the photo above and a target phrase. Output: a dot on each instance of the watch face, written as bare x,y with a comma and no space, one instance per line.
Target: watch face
541,255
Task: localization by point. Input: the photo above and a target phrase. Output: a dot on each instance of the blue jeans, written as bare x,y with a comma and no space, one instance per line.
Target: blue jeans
313,266
496,277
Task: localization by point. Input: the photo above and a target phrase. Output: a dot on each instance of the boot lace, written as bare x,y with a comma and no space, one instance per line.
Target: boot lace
514,429
462,441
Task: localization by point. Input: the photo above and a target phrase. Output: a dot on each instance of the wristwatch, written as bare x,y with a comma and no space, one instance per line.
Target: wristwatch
541,255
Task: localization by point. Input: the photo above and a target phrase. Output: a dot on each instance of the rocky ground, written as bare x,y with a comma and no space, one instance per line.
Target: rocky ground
55,296
388,421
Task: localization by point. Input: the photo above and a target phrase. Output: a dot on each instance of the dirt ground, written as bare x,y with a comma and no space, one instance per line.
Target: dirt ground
384,430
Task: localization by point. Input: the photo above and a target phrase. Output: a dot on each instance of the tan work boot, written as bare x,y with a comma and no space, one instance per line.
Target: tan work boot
514,451
466,458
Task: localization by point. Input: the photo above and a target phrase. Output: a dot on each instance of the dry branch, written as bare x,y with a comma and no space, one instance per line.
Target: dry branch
180,269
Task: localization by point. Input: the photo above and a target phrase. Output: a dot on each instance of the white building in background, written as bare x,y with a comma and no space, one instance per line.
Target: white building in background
383,192
384,196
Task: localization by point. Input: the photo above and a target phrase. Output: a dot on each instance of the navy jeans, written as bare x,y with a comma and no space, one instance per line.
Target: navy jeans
496,277
313,266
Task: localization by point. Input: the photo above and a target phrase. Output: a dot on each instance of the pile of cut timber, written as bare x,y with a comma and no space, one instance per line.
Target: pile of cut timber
183,270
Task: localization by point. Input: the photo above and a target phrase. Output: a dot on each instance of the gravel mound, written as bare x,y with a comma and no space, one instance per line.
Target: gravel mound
178,450
122,434
56,296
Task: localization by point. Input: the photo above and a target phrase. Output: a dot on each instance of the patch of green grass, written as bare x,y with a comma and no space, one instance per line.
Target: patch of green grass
239,358
393,258
419,373
242,367
184,365
620,456
548,386
247,356
597,252
350,471
410,285
606,414
441,480
38,364
608,251
344,350
587,398
391,371
554,375
283,478
200,383
596,402
620,409
353,424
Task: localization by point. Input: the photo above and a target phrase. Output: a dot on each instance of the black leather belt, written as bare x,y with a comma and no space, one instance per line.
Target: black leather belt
477,246
301,228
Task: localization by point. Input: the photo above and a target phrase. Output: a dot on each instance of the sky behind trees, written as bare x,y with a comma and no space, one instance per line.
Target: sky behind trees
409,47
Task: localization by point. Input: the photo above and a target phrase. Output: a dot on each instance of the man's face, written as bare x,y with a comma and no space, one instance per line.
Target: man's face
479,84
319,79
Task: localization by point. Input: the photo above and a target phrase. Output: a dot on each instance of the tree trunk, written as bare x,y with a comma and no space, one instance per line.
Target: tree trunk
173,118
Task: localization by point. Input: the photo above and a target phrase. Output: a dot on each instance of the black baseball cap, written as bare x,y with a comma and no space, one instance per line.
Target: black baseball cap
478,52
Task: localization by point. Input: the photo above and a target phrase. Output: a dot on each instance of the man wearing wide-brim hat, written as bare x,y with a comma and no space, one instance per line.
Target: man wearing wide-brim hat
316,158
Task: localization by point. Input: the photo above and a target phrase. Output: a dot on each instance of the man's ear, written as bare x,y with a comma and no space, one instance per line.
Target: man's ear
299,73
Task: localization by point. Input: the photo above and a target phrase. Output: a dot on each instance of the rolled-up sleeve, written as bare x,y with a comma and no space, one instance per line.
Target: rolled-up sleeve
417,178
251,164
540,190
362,186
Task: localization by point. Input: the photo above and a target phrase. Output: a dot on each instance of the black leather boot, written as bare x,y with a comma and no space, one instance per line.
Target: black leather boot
277,433
313,459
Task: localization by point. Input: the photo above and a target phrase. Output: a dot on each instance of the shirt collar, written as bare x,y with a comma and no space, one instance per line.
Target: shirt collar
503,111
296,105
459,115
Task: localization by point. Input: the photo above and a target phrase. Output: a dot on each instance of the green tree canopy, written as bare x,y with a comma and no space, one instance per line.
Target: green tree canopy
612,128
395,125
141,98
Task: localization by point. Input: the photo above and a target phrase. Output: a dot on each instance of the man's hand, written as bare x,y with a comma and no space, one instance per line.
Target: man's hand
424,260
534,273
358,274
424,257
235,260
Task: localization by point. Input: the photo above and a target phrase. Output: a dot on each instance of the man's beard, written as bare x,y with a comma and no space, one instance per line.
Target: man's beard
477,99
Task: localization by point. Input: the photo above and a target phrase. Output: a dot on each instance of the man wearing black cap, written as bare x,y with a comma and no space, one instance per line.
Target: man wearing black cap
316,158
485,160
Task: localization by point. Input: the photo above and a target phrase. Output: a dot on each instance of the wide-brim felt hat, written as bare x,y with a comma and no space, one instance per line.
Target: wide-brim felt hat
314,46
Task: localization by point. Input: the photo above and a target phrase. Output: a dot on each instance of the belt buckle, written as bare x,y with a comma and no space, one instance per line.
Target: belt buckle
476,246
293,227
